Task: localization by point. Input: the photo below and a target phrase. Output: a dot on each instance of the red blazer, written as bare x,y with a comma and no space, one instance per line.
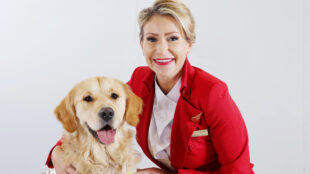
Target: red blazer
204,103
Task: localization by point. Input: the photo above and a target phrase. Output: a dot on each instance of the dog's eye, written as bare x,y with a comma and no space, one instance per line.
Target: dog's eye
88,99
114,96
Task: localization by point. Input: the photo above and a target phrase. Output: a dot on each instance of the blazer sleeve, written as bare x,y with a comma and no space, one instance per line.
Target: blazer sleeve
228,134
49,157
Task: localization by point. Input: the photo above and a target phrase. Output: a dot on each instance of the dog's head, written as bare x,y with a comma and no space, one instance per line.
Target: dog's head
99,105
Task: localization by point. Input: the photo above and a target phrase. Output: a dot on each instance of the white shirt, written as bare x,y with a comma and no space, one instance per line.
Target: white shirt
161,123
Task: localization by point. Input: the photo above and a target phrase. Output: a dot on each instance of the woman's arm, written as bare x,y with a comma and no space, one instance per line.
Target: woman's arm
228,134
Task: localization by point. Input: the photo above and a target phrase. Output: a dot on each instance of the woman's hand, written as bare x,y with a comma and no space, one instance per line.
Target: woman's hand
58,163
152,170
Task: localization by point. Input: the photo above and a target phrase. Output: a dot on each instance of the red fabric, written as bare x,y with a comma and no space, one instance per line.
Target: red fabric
224,151
49,157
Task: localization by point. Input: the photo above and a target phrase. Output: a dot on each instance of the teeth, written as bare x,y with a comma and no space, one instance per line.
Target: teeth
166,60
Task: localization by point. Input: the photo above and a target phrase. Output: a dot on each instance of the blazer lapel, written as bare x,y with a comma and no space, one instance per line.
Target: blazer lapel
185,122
186,119
147,93
144,122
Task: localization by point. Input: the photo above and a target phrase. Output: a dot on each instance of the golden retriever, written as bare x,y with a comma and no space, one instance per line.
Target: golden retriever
96,115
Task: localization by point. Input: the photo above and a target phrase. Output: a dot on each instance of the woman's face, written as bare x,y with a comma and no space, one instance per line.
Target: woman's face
164,46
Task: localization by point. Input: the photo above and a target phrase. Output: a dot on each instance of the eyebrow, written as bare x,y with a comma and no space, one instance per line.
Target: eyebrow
165,33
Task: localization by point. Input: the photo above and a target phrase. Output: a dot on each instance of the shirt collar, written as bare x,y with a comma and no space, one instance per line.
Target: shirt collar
173,94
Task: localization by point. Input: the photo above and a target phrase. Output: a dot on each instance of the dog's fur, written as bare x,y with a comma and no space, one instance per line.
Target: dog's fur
77,115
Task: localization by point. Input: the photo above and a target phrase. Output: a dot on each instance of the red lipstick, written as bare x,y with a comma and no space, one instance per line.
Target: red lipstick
163,61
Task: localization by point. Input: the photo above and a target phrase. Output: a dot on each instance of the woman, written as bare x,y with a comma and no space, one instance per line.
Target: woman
189,122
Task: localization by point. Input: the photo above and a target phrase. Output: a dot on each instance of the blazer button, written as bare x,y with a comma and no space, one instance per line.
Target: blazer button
190,146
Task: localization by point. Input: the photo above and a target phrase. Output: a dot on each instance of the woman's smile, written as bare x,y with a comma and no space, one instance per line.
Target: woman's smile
163,61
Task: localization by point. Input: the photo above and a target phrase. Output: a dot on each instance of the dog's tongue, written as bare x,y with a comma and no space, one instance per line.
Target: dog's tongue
106,136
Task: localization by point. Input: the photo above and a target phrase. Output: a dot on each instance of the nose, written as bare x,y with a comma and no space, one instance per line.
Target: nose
162,47
106,113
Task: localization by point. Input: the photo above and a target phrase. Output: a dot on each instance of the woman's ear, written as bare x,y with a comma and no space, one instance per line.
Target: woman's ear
141,44
65,113
133,107
190,45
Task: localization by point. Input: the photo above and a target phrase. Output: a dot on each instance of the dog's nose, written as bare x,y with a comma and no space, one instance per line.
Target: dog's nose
106,113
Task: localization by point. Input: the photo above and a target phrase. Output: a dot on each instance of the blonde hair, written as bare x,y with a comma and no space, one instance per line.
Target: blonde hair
175,8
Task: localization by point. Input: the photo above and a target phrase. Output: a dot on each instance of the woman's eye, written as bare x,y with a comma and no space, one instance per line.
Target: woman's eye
173,38
88,99
151,39
114,96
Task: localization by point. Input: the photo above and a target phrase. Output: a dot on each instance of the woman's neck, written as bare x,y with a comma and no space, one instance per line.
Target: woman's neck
166,83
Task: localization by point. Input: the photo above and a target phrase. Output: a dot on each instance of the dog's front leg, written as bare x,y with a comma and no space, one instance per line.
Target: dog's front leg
124,169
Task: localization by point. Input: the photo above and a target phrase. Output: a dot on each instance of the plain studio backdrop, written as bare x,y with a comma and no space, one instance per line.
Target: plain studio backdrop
260,49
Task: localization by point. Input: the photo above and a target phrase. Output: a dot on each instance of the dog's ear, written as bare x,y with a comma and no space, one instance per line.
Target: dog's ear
65,113
133,107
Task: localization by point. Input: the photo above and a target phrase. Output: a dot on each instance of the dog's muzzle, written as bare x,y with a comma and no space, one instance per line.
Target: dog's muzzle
106,134
106,114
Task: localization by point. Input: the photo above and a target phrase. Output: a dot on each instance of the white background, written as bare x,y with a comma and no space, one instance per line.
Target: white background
261,49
